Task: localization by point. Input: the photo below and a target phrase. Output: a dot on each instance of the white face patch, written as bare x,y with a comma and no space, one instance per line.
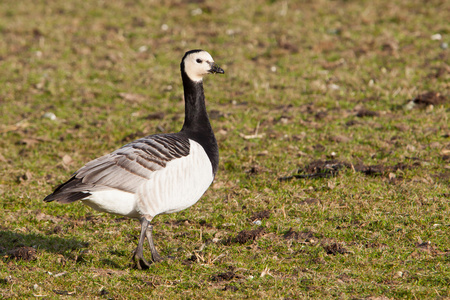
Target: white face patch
197,65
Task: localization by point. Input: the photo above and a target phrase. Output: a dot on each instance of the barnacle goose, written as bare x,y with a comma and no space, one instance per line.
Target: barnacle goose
157,174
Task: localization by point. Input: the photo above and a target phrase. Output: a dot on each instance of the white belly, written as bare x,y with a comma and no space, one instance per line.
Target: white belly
114,202
177,186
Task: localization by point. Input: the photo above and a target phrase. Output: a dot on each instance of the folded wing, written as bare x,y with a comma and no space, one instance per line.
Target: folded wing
125,169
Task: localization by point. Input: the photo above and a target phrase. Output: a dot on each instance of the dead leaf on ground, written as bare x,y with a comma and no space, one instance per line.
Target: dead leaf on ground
25,177
263,153
251,136
340,139
132,97
40,216
445,151
222,132
67,160
401,127
19,125
29,142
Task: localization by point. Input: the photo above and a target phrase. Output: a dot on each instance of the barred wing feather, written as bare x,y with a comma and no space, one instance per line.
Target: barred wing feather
125,169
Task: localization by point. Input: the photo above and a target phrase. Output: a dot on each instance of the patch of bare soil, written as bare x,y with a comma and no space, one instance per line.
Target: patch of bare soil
255,169
245,236
7,280
427,99
226,276
155,116
55,230
439,71
179,222
330,168
64,293
307,236
335,248
265,214
232,273
203,223
22,253
429,249
107,272
310,201
229,287
380,169
363,112
318,169
376,245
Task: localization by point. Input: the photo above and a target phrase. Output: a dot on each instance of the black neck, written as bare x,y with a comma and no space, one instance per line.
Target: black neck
196,123
196,117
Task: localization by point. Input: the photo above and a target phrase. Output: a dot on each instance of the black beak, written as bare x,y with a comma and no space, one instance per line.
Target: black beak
216,69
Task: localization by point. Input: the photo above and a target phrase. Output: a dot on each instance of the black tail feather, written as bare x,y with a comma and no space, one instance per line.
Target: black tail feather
63,193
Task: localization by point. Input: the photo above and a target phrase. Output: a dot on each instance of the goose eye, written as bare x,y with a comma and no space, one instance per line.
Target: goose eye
199,60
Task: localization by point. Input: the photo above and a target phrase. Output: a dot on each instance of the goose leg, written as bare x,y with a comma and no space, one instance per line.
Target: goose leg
155,256
138,259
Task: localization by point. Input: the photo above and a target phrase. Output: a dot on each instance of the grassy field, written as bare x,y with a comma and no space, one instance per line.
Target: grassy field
333,125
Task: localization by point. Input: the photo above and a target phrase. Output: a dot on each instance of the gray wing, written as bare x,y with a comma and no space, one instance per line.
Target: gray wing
124,169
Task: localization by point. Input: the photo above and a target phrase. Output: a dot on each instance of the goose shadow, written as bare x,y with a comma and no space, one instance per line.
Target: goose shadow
12,240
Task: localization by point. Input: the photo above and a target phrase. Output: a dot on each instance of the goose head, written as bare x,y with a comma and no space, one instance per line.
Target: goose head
198,63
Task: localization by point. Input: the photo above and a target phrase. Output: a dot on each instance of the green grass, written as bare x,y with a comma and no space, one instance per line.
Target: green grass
298,72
